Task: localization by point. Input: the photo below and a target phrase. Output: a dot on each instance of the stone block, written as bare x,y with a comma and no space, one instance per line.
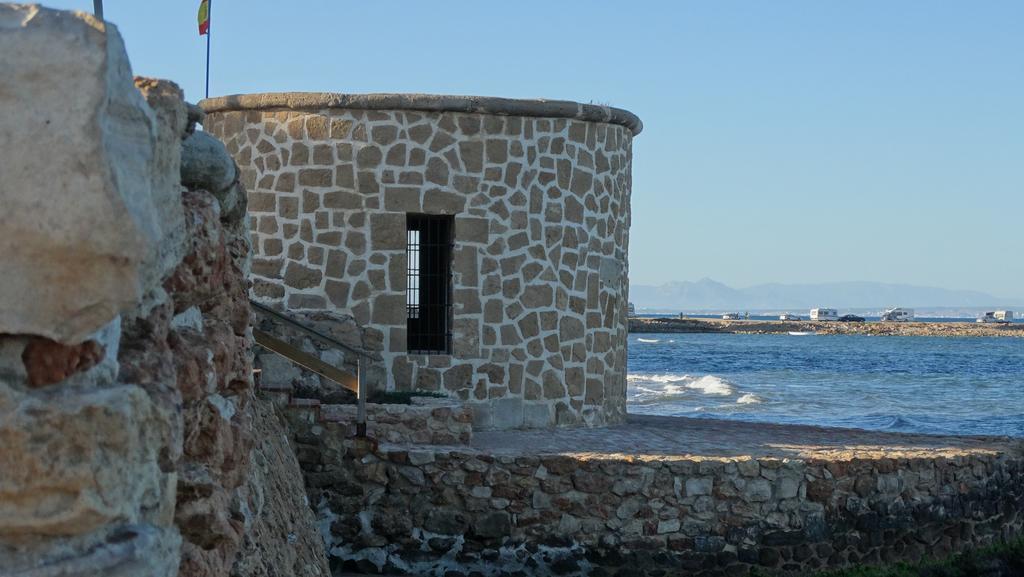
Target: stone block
368,156
668,526
699,486
437,171
315,177
402,199
472,155
459,377
482,416
466,337
437,201
421,457
537,296
302,277
465,264
493,525
80,220
472,230
569,329
389,309
446,522
537,415
757,490
387,231
507,413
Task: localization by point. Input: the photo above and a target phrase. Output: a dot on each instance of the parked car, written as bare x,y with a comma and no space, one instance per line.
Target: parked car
851,319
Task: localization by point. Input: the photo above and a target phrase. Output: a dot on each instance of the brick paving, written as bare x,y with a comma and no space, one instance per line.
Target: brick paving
658,437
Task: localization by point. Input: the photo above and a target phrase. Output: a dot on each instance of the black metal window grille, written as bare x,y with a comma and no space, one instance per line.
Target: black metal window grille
429,283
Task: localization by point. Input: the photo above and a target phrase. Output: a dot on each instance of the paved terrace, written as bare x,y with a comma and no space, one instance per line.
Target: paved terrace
648,437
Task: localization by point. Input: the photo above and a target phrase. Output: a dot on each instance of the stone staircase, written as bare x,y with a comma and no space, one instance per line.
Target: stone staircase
427,420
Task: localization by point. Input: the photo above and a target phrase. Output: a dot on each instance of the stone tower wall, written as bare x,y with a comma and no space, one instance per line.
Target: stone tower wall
542,219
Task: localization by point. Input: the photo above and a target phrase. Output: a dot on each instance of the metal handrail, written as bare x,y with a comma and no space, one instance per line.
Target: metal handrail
298,325
341,376
346,379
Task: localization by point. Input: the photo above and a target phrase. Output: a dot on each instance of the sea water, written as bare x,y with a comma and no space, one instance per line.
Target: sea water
942,385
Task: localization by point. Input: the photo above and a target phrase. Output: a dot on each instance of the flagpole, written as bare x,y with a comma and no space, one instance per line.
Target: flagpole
209,32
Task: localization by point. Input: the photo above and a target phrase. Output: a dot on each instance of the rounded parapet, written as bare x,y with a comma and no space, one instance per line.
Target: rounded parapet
313,101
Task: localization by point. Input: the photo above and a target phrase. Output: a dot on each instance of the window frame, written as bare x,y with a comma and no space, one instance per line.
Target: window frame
430,240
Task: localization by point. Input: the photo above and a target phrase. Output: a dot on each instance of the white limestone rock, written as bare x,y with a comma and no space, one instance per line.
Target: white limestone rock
74,461
78,144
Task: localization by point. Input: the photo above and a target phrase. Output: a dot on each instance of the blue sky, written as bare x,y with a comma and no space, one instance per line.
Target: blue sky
787,141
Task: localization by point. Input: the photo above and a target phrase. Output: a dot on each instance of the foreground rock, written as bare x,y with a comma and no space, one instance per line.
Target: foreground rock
79,145
126,409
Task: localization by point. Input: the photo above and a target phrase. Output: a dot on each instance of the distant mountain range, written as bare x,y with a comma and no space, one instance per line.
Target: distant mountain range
710,295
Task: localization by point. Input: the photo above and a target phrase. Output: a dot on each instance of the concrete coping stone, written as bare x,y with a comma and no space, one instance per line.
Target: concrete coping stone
434,402
314,101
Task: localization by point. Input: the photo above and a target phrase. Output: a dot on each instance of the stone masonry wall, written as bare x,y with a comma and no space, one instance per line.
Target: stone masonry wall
542,217
446,511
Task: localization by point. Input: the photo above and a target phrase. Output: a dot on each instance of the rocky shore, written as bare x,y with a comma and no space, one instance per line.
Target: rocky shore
903,329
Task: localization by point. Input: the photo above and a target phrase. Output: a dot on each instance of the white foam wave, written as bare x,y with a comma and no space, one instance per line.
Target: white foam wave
659,388
712,385
648,340
749,399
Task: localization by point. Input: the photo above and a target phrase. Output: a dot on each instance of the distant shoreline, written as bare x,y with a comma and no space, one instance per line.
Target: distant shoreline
876,328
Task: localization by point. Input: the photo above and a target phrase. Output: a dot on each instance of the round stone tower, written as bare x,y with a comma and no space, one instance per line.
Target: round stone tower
484,239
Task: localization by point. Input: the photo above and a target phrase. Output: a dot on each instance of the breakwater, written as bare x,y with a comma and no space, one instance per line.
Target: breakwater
905,329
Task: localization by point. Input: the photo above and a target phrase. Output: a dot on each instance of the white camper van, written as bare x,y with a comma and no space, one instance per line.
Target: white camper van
996,317
898,315
821,314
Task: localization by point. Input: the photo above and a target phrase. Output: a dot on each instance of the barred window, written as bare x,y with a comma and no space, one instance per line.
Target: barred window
429,287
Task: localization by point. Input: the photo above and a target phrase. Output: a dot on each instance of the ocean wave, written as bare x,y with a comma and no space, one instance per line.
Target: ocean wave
648,340
712,385
749,399
646,389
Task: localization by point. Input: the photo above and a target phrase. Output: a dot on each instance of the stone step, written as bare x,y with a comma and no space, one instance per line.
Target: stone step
276,387
337,413
307,410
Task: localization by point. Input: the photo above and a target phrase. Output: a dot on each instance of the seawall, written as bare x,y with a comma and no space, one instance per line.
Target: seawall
656,496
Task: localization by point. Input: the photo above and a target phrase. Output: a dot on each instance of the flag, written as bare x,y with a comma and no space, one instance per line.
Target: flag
204,17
